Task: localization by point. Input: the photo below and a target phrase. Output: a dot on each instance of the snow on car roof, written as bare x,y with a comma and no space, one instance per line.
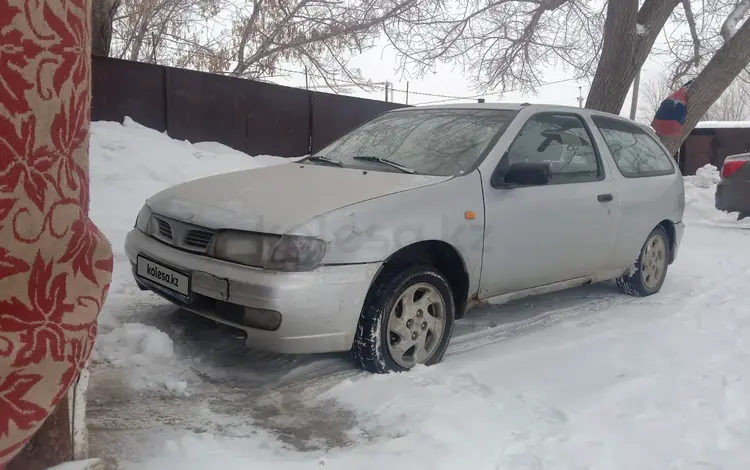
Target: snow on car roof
511,107
723,125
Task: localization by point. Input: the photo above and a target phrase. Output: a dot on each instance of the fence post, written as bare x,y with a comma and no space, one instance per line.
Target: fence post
165,83
311,110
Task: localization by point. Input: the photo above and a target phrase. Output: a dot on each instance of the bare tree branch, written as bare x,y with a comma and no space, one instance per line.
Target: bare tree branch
653,92
252,38
693,31
716,77
732,105
503,44
729,28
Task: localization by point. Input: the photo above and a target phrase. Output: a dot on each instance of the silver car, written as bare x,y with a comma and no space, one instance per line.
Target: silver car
379,242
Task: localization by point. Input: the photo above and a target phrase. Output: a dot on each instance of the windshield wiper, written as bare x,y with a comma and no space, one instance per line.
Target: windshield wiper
398,166
321,158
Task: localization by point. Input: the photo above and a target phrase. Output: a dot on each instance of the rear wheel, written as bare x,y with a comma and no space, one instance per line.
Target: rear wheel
651,267
407,320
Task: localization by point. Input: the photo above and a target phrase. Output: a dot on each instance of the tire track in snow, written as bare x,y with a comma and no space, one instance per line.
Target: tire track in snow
487,337
237,387
216,359
316,372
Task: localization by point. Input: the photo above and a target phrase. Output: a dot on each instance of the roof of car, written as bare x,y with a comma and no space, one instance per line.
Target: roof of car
506,106
519,106
533,107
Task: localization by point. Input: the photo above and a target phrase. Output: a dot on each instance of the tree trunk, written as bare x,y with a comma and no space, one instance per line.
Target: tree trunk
715,78
50,446
137,43
63,437
616,68
102,16
625,49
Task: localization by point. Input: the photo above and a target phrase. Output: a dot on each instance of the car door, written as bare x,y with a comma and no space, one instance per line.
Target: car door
538,235
648,182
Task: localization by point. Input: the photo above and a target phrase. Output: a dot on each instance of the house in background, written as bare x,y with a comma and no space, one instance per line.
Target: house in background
711,142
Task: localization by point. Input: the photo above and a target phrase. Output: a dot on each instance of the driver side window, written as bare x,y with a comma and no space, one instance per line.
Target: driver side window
563,142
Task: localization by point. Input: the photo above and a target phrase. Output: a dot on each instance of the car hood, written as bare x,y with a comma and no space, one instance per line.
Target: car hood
275,199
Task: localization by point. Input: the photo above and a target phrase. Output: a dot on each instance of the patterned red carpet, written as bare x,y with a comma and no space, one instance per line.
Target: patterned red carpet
55,265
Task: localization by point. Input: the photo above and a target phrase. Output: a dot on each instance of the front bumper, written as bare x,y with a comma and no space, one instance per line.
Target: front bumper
319,309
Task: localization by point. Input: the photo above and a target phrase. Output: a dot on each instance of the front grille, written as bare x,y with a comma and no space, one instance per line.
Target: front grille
198,238
165,230
182,235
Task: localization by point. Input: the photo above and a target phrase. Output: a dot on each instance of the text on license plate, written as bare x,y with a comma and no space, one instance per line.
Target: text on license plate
163,276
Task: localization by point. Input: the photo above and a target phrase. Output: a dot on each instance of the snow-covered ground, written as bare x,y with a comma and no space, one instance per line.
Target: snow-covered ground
583,379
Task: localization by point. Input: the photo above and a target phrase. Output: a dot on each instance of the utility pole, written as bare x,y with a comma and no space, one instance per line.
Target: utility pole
580,97
407,92
307,87
636,88
386,91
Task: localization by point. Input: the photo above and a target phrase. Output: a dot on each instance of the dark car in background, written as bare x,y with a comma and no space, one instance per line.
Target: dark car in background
733,191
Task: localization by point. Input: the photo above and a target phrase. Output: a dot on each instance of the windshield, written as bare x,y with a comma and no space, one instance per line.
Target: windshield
442,142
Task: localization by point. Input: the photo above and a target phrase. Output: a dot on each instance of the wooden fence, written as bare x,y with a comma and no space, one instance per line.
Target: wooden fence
254,117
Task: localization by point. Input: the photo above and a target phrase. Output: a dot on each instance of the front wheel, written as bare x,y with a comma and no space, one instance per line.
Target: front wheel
651,267
407,320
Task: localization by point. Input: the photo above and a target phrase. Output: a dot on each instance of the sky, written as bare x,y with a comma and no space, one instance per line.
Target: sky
379,65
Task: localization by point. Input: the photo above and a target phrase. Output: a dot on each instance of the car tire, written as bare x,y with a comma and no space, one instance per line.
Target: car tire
651,267
389,324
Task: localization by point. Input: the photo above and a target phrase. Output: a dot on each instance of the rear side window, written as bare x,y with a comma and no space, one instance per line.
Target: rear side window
635,152
563,142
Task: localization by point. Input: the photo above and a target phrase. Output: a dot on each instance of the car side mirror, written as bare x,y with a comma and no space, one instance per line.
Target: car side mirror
521,174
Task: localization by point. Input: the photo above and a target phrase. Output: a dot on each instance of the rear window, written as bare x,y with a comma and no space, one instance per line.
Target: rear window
635,152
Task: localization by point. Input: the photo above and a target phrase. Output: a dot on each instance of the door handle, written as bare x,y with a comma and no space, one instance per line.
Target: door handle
605,198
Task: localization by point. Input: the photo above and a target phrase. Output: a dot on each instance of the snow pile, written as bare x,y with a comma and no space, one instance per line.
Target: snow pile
133,343
145,354
129,163
88,464
700,191
198,451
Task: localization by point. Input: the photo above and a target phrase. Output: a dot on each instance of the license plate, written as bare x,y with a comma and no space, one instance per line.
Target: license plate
164,276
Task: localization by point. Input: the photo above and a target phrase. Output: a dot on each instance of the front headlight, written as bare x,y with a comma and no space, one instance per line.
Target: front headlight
272,252
250,249
296,253
144,216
